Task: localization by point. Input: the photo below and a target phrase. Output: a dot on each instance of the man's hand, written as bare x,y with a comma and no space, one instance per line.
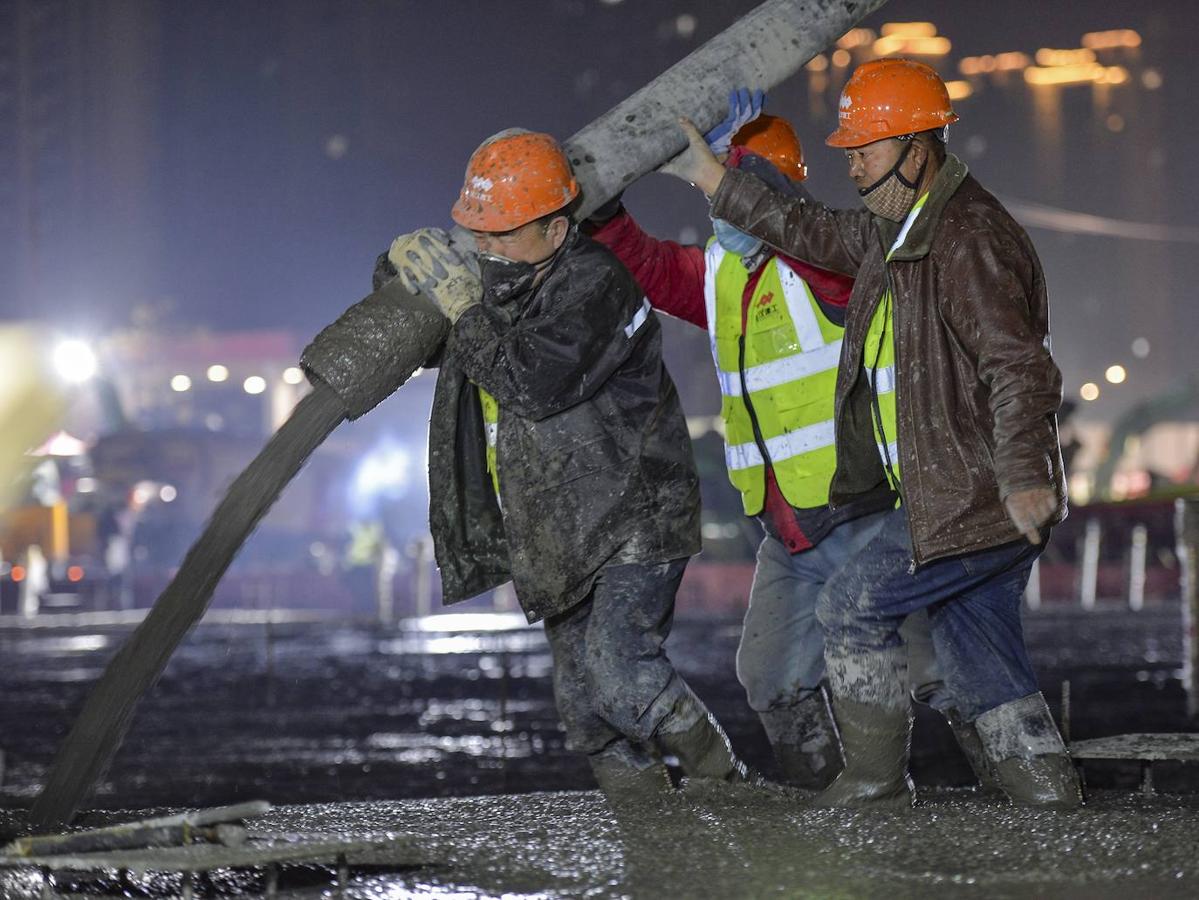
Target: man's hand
696,163
1031,509
428,265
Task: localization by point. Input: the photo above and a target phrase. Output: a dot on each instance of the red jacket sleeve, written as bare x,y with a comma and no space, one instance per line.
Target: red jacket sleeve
670,274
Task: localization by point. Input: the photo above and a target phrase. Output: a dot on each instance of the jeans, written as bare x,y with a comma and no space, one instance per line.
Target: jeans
609,661
973,603
780,659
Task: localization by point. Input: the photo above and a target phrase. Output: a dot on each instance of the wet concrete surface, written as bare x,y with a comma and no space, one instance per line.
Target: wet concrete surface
720,842
323,712
425,722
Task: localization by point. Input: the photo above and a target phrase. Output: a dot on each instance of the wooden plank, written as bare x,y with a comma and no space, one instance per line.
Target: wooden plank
163,831
399,851
1182,747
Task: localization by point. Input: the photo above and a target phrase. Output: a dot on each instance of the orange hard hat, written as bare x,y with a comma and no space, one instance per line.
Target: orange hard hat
887,98
513,178
775,140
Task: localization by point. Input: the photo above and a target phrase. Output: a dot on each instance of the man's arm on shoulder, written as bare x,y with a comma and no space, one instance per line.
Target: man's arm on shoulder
799,227
670,274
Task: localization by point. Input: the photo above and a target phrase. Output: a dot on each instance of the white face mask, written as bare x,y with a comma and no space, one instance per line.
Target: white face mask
892,196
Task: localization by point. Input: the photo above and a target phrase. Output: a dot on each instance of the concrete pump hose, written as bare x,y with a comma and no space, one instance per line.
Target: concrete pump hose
760,50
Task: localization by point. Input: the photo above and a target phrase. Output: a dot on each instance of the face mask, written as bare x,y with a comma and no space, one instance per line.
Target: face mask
504,279
736,242
892,196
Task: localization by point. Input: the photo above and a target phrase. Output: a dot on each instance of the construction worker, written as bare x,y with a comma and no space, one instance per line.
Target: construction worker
948,315
776,326
559,459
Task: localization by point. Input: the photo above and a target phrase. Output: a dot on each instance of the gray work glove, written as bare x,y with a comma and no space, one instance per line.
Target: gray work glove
427,264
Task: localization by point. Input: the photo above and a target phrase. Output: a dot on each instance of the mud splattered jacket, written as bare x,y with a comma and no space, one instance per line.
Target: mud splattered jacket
594,459
976,387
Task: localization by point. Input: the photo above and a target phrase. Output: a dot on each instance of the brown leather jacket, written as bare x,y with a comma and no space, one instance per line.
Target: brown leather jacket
977,389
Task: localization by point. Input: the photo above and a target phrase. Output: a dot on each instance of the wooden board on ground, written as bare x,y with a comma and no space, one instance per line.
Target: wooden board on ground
1181,747
397,851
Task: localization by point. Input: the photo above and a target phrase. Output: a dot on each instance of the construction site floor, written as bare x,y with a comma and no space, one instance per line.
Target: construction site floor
725,842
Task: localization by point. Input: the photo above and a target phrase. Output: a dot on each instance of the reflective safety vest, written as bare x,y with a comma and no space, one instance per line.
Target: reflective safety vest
491,428
878,361
777,378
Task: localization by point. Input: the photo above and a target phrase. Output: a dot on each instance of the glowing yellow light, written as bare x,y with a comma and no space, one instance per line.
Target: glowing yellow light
856,37
180,383
1079,74
841,58
1115,374
1011,61
1111,40
255,384
917,46
817,63
1113,75
293,375
1049,57
1089,391
909,29
218,373
959,90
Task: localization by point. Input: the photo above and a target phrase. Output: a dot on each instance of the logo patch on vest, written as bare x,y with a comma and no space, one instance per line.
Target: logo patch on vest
765,308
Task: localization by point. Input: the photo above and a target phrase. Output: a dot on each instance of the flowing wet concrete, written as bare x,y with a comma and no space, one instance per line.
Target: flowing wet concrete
726,842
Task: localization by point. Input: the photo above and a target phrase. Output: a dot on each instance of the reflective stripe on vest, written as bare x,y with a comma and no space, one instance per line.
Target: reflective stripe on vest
786,360
491,429
878,361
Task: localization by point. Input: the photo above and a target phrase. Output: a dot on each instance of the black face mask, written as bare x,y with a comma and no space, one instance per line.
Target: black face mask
506,279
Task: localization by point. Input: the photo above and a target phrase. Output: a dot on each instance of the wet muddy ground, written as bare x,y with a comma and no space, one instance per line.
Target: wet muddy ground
726,842
312,714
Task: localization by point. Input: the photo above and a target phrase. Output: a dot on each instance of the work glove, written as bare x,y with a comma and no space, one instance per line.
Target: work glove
427,264
744,107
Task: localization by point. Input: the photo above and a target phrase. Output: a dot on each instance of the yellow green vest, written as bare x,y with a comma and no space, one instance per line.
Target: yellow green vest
878,361
491,425
784,379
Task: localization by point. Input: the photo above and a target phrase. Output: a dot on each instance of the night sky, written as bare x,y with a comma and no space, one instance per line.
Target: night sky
240,165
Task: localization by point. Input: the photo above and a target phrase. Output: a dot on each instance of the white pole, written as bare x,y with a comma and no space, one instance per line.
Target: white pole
1138,551
1186,529
1090,563
1032,592
424,575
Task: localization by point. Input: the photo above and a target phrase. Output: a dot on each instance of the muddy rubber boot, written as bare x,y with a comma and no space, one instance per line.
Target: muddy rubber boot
876,741
976,754
692,734
625,771
804,740
1024,746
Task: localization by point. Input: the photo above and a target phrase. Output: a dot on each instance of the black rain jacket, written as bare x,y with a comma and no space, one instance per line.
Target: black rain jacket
594,459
